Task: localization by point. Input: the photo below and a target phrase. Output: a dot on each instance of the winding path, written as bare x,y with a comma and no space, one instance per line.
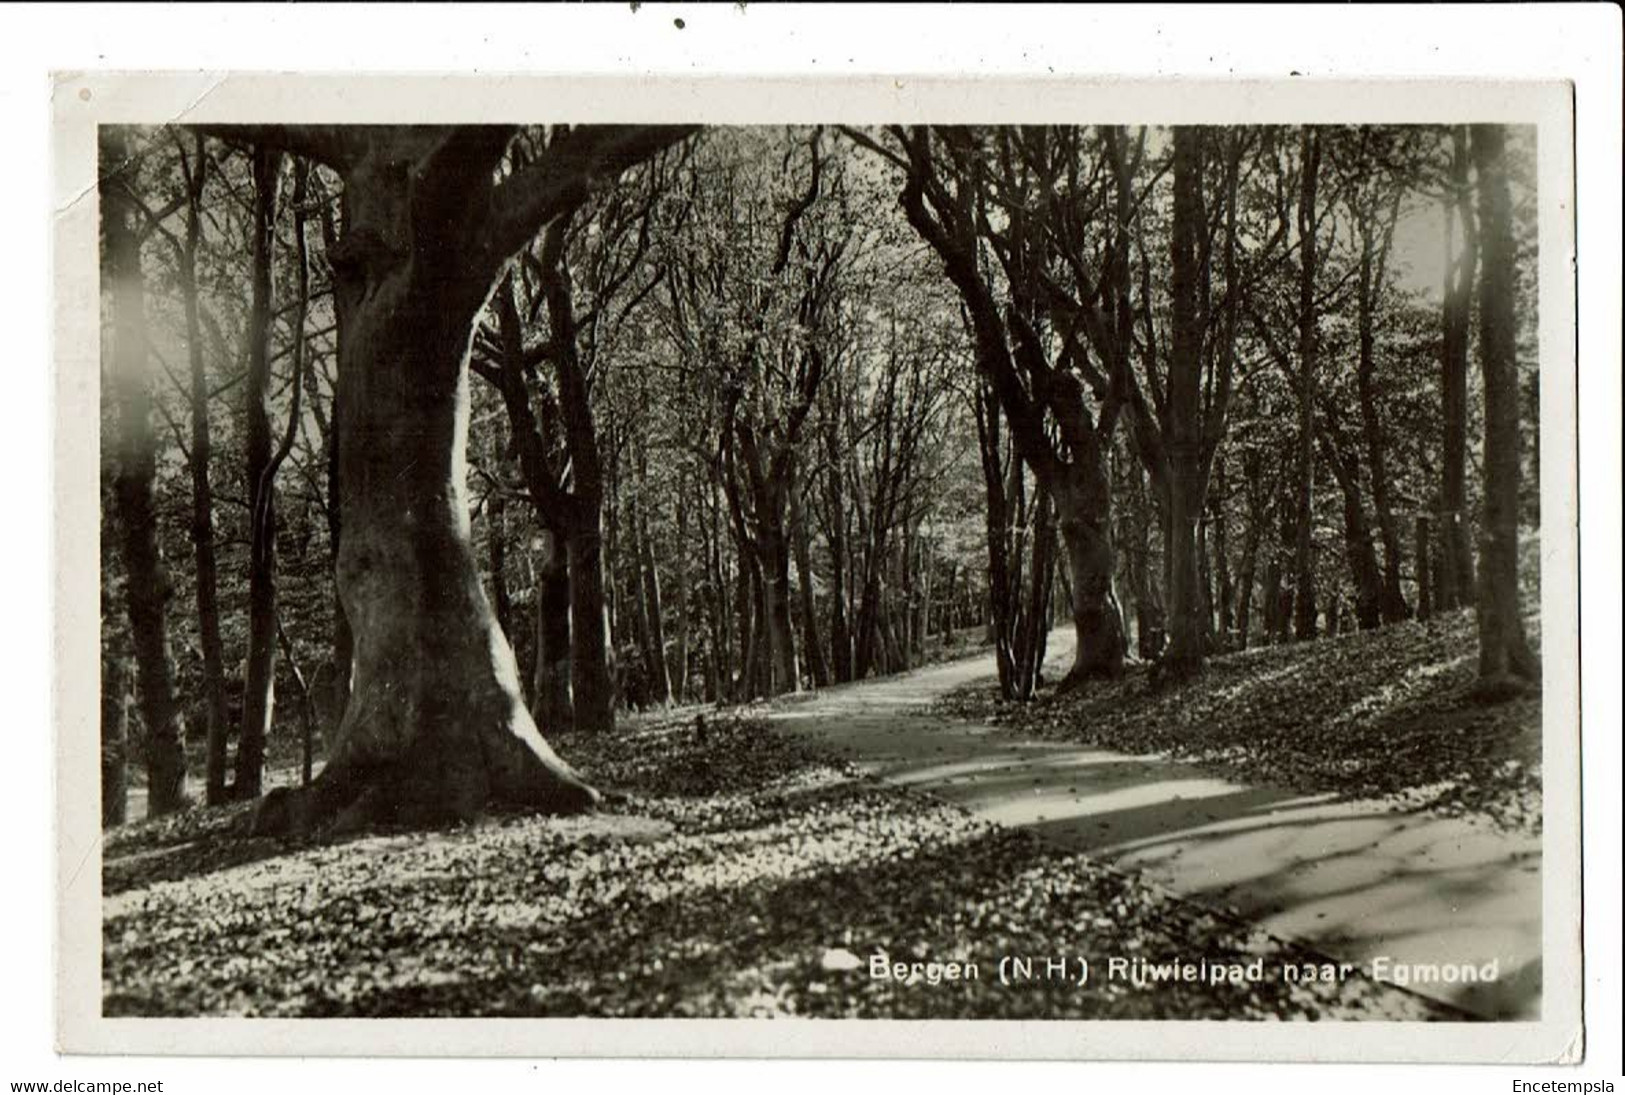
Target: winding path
1361,881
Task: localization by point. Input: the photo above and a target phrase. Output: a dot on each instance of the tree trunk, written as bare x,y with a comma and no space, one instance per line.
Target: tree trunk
870,654
1034,619
1221,556
659,687
307,707
1358,547
436,723
1276,602
781,624
259,691
1393,607
217,718
1455,552
496,532
835,527
1185,485
1303,575
716,602
840,631
115,741
746,611
591,650
1148,622
1424,567
1003,586
1185,630
1244,582
550,692
1028,387
679,682
813,644
436,727
592,685
917,592
337,693
147,588
1086,530
1505,661
565,518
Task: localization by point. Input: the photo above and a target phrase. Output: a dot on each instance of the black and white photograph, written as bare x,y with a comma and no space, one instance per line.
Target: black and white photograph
1075,566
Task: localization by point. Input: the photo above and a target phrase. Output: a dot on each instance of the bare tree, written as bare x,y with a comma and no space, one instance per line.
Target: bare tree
945,200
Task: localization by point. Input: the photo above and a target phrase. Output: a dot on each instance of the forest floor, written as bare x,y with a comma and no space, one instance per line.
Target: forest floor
752,871
1383,714
746,876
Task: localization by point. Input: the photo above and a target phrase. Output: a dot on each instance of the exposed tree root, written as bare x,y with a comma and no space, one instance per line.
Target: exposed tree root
1502,689
1081,675
347,798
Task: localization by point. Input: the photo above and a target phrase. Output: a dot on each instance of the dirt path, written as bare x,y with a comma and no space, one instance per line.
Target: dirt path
1361,881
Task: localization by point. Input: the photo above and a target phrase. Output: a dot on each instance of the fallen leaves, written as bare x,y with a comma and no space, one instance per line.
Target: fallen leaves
743,876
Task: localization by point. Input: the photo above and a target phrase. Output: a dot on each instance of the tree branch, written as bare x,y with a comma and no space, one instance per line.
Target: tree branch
337,146
557,183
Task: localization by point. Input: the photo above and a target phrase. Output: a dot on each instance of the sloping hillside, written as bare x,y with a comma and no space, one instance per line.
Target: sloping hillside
1374,713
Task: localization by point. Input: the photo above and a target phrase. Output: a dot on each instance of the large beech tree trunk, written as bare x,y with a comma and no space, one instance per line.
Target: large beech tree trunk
1505,661
436,727
436,724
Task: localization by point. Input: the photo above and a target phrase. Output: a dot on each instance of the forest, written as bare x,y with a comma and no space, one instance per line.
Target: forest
438,460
